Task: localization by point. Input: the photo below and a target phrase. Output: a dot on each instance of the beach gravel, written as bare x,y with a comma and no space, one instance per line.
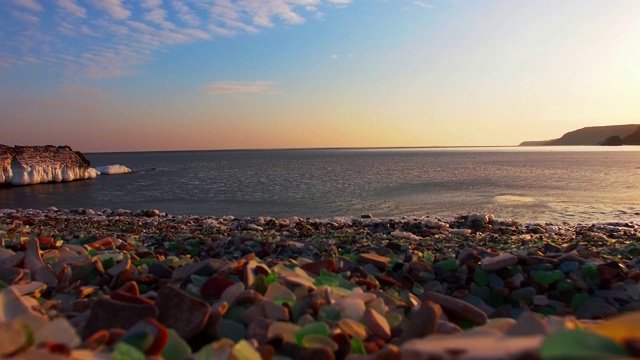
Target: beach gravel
121,284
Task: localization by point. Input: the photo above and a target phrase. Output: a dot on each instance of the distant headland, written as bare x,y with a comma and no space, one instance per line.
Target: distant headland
613,135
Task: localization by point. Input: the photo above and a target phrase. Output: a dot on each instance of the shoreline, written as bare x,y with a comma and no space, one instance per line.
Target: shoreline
336,288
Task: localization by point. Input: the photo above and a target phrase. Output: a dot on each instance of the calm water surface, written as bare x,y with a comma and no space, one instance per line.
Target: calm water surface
575,184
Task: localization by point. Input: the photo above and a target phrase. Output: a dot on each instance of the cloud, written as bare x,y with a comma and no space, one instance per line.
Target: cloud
28,18
111,38
338,56
151,4
28,4
158,16
72,7
422,4
115,8
340,2
185,14
7,62
238,87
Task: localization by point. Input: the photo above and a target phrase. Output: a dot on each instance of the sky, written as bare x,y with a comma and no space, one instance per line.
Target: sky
135,75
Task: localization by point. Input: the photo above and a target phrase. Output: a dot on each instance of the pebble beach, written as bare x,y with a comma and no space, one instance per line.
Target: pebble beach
119,284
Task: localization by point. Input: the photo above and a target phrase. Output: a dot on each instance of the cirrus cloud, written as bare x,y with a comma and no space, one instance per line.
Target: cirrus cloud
28,4
238,87
111,38
72,7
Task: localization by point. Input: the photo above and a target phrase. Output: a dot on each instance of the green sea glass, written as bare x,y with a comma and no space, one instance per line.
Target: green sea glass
580,344
579,299
141,340
108,263
329,313
417,289
481,277
244,351
333,280
357,347
590,272
548,277
124,351
428,257
565,285
447,265
176,348
314,340
260,284
318,328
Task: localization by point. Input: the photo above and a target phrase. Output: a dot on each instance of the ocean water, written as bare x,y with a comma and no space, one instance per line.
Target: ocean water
574,184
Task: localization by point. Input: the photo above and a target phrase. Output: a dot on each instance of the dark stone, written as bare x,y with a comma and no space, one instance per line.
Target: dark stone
397,266
12,260
182,312
323,264
550,248
456,308
109,314
259,329
633,346
389,352
376,260
595,311
291,350
276,342
344,264
387,280
213,288
267,352
160,271
206,267
610,272
470,258
423,322
319,353
344,345
9,275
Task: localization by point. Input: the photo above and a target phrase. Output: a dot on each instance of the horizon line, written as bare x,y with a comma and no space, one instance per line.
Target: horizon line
306,149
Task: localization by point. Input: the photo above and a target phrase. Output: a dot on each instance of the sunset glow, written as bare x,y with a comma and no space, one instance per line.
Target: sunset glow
124,75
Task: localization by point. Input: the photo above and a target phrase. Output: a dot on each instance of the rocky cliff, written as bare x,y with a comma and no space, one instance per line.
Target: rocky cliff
25,165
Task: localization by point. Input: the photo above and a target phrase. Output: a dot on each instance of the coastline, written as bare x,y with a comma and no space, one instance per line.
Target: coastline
391,276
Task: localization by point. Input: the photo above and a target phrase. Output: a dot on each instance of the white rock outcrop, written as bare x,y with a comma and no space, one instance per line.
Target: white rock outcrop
113,169
26,165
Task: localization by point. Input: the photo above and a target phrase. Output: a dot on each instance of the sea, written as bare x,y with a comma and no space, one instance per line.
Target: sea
545,184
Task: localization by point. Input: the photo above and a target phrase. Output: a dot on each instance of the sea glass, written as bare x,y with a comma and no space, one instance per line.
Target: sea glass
317,328
176,347
580,344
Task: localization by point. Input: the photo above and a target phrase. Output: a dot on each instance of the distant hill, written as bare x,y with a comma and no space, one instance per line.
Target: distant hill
633,138
595,135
